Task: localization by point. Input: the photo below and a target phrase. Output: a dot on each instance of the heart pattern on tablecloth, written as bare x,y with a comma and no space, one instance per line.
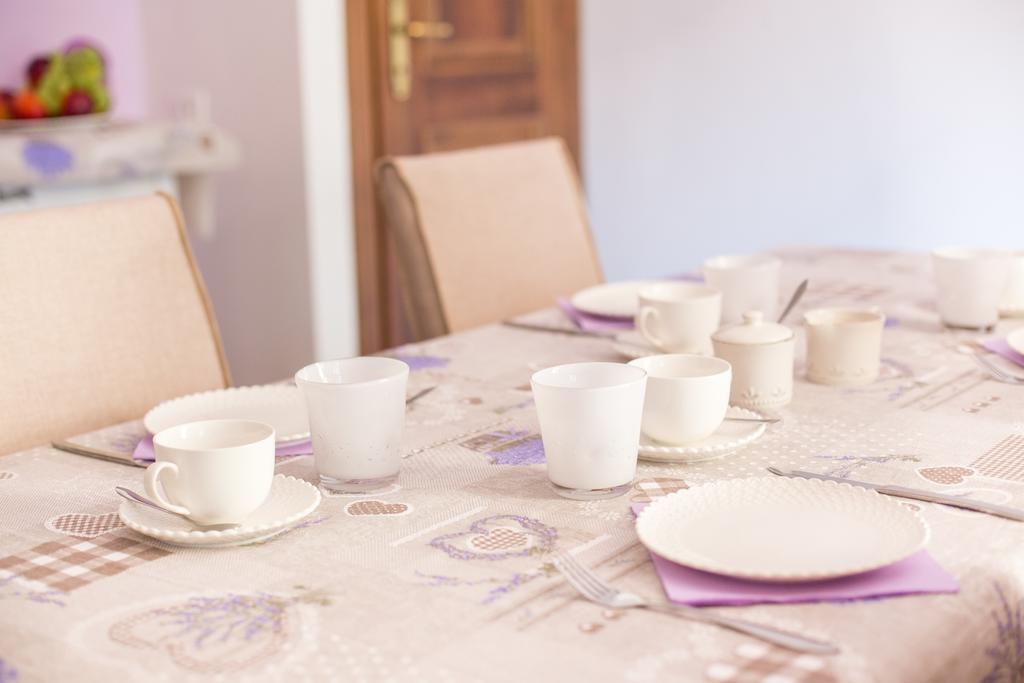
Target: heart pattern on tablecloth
84,525
370,508
499,539
947,476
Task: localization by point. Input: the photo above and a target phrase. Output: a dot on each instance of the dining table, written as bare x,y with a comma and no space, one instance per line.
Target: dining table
449,574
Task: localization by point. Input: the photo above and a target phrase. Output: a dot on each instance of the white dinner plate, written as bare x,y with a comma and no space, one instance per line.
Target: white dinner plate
612,299
1016,340
279,405
781,529
731,436
290,501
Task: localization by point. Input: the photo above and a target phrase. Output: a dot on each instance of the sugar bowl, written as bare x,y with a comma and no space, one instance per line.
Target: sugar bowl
761,354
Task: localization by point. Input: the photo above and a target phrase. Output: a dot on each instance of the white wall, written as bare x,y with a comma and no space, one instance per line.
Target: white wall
724,125
288,198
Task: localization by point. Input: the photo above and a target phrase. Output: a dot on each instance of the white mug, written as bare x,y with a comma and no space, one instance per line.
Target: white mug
679,316
687,396
589,416
214,471
356,416
748,282
844,345
970,284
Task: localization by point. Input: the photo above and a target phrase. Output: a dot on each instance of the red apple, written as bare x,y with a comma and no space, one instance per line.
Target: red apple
7,99
27,105
76,102
36,69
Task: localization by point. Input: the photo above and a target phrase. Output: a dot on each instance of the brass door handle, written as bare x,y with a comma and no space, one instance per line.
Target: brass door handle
436,30
400,31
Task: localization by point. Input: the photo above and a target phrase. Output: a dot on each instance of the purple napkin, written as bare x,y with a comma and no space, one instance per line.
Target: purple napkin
593,323
919,573
144,450
999,345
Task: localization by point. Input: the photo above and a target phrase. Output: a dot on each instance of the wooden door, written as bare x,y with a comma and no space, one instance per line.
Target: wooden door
432,75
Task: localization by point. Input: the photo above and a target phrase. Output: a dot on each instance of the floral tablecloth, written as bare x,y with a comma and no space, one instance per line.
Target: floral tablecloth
447,576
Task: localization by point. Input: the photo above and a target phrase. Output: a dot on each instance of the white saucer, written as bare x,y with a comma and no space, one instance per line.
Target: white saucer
781,529
290,500
1016,340
612,299
632,345
279,405
728,438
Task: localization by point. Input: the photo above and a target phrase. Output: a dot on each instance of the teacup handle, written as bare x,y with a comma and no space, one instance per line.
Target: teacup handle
155,490
647,315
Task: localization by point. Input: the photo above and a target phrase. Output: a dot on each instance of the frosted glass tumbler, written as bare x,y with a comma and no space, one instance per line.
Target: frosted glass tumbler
970,285
356,415
589,416
748,282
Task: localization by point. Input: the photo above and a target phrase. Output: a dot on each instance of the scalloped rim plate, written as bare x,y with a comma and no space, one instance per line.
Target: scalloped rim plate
728,438
781,529
279,405
290,501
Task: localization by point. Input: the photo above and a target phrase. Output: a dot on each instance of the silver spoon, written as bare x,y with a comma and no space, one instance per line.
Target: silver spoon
765,420
794,300
130,495
418,395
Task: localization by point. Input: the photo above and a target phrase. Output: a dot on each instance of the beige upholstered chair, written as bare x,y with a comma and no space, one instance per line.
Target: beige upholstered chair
486,233
102,316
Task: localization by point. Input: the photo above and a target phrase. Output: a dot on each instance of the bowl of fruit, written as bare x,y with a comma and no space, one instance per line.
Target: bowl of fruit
64,88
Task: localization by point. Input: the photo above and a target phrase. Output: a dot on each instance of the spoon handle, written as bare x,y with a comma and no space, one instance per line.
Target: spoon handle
130,495
794,300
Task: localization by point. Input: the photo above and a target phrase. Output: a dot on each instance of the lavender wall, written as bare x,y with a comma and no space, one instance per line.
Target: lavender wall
29,27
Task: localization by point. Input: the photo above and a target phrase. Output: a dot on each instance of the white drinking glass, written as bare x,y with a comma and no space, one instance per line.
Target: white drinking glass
748,282
970,284
687,396
356,415
589,416
214,471
679,316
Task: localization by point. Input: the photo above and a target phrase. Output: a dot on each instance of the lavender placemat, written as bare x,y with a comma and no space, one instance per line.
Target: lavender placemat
919,573
1001,347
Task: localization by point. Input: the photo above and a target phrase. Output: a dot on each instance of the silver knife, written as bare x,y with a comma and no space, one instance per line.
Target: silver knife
914,494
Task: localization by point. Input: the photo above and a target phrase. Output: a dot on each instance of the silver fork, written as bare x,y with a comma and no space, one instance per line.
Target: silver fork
996,371
597,590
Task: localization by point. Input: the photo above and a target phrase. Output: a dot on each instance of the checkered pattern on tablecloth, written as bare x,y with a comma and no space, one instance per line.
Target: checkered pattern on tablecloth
655,487
72,563
1005,460
760,663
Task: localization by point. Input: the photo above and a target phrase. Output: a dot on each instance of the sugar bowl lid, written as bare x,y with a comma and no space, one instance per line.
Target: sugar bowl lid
753,330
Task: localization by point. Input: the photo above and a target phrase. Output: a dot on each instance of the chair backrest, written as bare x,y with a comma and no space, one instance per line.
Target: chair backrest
486,233
102,316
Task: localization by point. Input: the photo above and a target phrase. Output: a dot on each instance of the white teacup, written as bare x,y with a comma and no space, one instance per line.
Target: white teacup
687,396
970,283
844,345
213,472
589,416
679,317
748,282
356,416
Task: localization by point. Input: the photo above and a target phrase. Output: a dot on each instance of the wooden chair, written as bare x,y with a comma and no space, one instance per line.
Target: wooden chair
102,316
487,233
